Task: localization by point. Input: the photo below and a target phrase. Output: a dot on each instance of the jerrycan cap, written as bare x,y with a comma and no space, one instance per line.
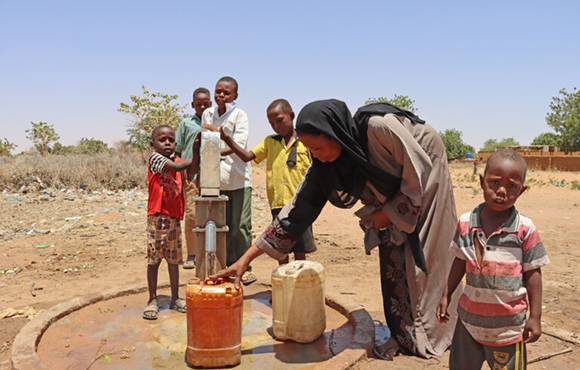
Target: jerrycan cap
300,268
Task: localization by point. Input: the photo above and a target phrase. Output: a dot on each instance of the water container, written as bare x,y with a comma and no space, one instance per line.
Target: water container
214,323
468,155
298,308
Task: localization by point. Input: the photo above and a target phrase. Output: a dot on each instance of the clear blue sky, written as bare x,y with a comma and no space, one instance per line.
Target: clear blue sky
488,69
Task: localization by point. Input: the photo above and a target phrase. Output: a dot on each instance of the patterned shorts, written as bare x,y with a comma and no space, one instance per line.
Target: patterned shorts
163,239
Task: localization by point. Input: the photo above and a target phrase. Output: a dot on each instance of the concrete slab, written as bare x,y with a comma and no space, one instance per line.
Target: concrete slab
105,330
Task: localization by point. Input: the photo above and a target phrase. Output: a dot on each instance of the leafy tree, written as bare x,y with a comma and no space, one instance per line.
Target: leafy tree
454,145
6,147
60,149
493,144
41,135
565,119
401,101
147,112
91,146
547,138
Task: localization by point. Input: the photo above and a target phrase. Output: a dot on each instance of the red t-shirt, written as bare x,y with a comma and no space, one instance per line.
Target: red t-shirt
165,188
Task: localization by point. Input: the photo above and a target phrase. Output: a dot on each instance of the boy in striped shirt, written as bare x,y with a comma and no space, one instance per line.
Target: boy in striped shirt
500,252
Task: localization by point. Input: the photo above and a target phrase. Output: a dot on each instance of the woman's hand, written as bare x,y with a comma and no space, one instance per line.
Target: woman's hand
236,270
240,266
379,219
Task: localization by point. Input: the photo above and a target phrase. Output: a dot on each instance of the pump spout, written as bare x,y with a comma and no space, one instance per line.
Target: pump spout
210,248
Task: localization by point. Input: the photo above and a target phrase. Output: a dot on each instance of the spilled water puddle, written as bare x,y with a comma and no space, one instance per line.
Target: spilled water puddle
113,335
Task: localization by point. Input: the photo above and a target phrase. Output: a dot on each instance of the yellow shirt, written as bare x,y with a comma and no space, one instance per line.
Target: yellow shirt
282,181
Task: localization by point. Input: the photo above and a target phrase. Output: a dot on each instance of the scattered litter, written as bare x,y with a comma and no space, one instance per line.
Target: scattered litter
42,246
13,198
87,266
140,205
30,232
27,312
88,235
11,271
128,250
73,218
70,269
81,252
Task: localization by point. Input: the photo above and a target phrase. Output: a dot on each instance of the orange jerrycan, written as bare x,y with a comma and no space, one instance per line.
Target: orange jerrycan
214,322
298,308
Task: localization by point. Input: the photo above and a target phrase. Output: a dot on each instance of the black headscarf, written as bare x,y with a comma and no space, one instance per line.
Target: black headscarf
345,178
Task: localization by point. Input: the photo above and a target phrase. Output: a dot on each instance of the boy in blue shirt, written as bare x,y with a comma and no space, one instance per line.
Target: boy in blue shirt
186,132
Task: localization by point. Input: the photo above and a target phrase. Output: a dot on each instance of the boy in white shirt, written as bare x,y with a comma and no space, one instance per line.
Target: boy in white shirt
236,175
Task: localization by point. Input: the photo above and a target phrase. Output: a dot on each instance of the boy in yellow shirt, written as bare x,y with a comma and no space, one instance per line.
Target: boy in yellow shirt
288,160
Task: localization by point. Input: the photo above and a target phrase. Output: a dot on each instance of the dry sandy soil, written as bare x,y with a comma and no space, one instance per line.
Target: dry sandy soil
58,244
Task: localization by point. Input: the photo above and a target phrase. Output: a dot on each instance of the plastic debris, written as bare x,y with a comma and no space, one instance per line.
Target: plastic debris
13,198
27,312
42,246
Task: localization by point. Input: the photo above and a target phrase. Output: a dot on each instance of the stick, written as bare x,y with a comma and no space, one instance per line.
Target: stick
545,357
562,335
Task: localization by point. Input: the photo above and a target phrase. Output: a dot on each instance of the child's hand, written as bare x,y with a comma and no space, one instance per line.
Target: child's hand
442,314
197,143
223,135
532,330
210,128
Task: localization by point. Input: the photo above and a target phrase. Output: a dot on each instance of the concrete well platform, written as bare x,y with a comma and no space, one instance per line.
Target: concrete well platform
106,331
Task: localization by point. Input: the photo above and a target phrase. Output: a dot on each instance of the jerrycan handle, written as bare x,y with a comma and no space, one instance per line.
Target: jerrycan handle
215,281
230,289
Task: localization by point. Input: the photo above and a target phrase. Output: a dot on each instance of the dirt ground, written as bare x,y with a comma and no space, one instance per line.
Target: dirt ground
57,244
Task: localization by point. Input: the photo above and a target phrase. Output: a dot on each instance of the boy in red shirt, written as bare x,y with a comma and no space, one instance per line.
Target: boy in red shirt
164,214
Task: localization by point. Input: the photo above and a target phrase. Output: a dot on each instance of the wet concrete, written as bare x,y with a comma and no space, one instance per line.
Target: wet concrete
112,334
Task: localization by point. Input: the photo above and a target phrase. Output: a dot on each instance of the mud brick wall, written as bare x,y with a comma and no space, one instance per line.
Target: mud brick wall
562,163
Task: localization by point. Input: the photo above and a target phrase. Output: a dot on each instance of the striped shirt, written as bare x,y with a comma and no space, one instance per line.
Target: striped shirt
493,305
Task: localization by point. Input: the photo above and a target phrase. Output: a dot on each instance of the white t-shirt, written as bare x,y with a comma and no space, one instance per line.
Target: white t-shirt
235,173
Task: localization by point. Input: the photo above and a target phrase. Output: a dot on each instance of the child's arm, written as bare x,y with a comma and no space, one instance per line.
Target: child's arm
173,166
533,327
455,275
244,155
194,166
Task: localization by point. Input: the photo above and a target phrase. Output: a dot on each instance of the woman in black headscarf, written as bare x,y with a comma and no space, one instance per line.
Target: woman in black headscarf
396,165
